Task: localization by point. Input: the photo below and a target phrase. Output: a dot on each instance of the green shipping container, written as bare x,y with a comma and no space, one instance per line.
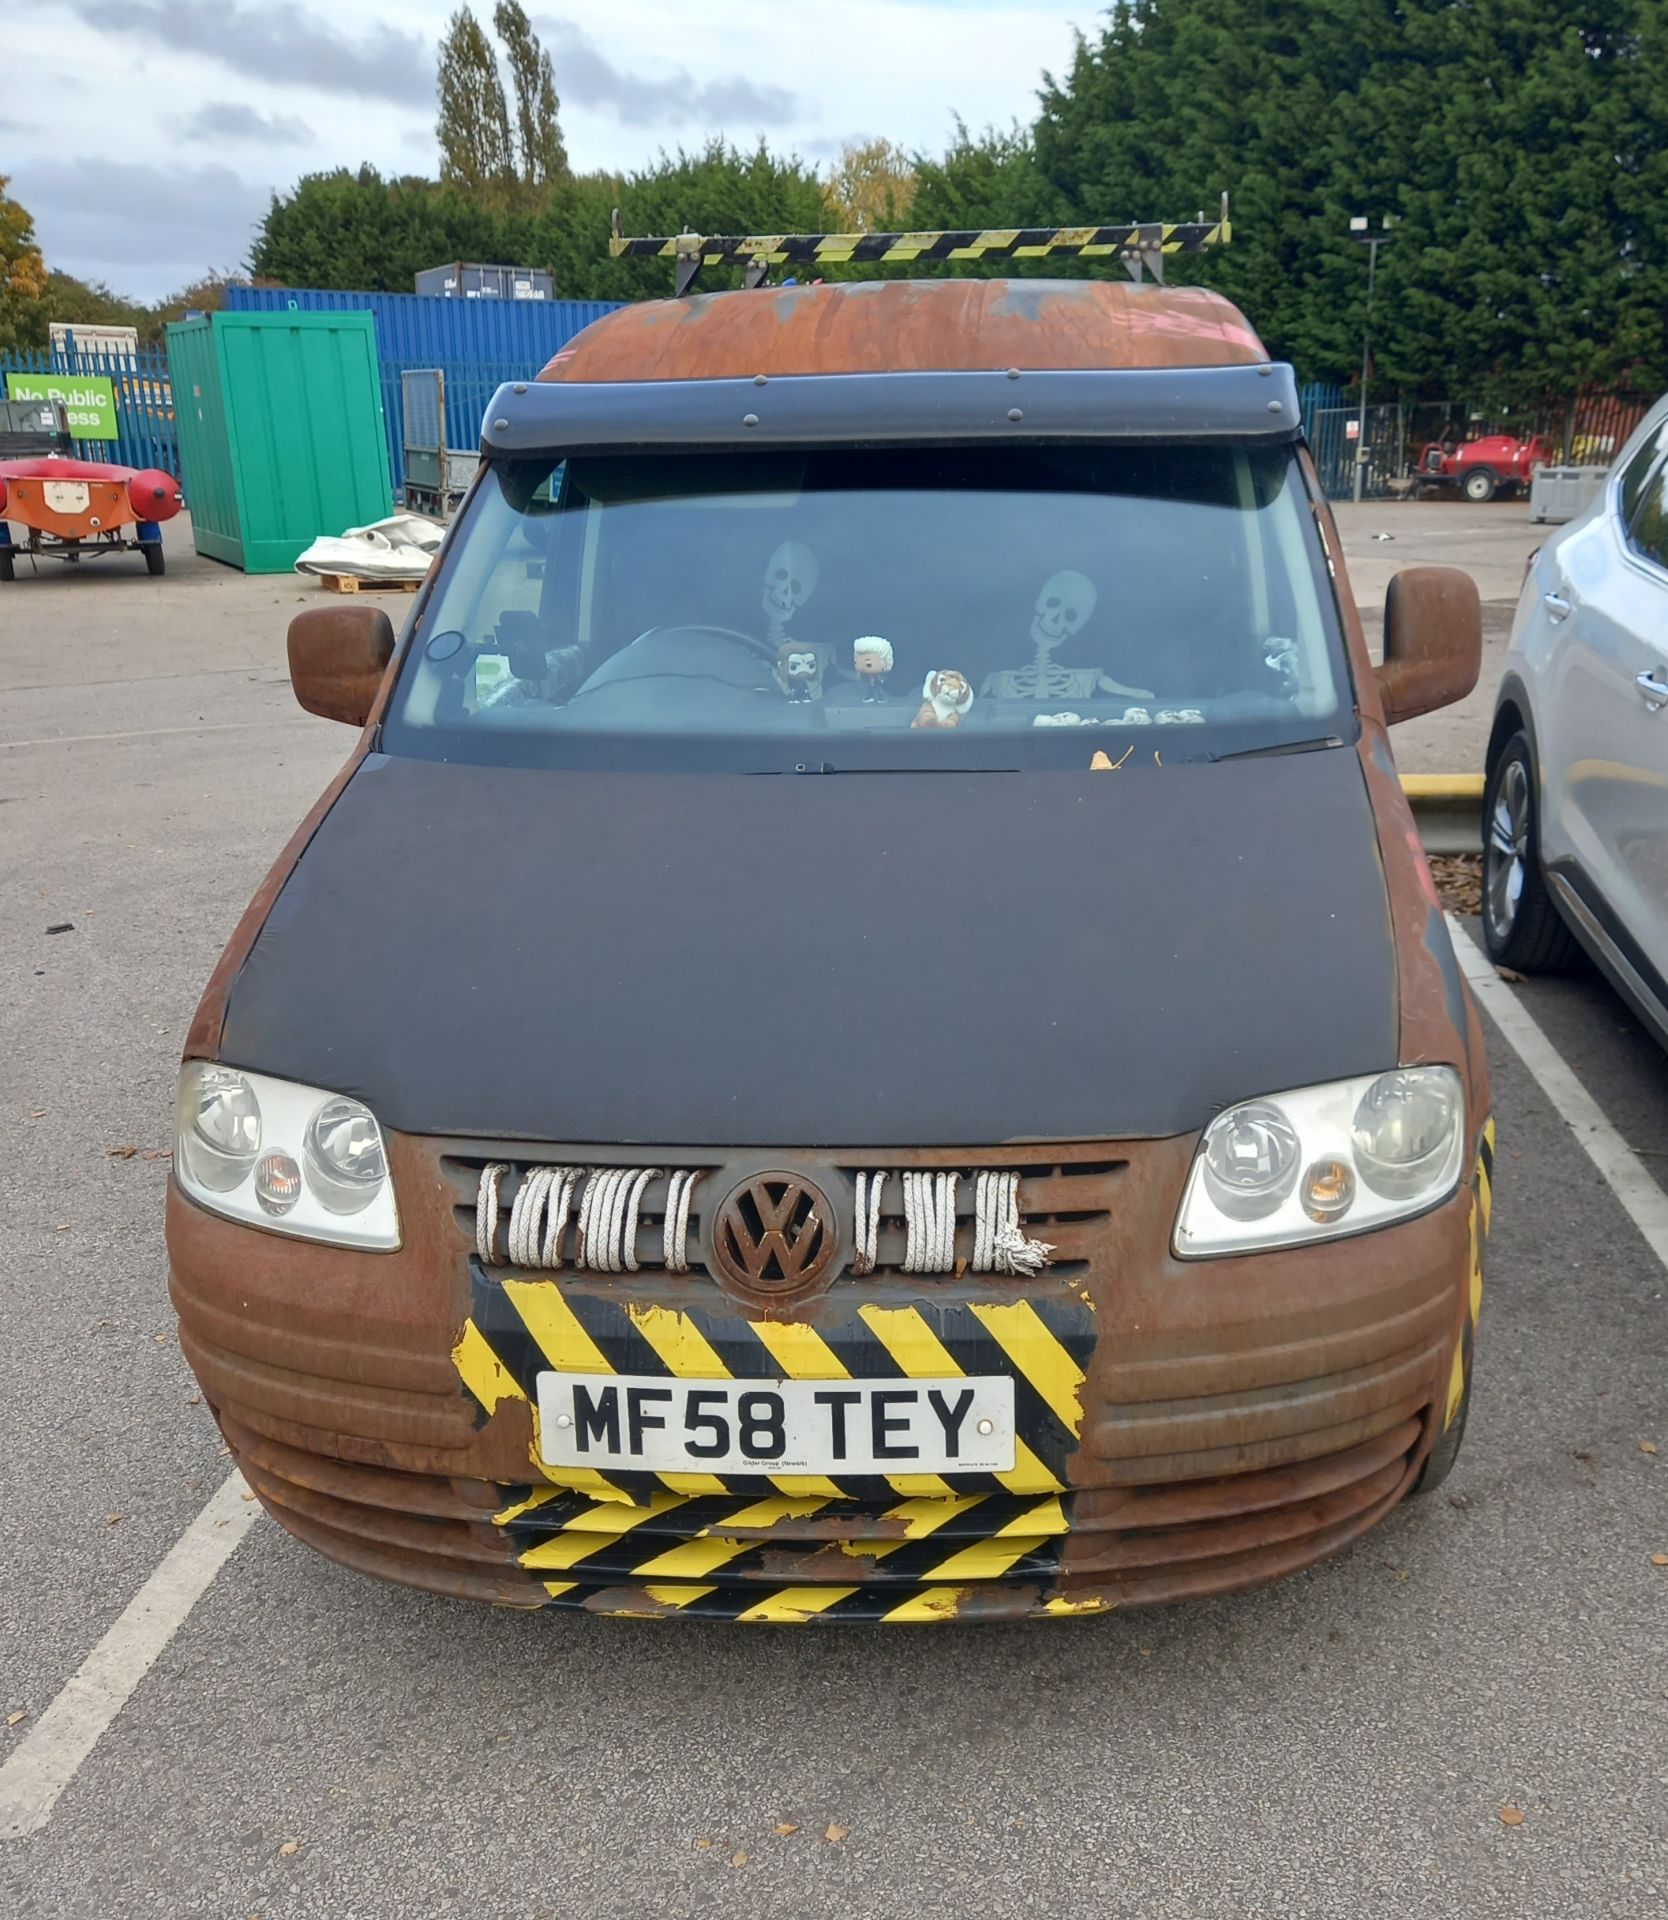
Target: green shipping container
281,432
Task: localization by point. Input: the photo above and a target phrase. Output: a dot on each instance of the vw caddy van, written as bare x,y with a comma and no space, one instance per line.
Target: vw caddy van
865,1033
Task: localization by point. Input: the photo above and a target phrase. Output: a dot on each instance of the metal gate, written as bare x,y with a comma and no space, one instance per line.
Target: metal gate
436,476
1335,442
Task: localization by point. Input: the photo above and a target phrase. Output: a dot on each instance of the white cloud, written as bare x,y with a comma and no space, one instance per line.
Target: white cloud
652,94
194,219
223,120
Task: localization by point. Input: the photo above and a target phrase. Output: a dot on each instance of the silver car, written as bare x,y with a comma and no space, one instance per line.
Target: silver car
1575,812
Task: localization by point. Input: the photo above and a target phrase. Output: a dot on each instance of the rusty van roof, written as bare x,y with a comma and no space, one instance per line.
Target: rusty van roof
911,326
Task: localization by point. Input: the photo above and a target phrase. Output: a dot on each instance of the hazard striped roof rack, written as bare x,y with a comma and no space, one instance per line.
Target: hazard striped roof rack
1140,245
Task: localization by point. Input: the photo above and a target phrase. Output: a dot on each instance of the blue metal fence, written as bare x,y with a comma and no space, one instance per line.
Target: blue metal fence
477,344
1315,397
145,434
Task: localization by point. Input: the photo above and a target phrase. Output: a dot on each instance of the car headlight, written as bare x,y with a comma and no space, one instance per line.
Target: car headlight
293,1159
1323,1162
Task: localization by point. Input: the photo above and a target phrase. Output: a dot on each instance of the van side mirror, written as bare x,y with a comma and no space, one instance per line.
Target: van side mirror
338,656
1433,641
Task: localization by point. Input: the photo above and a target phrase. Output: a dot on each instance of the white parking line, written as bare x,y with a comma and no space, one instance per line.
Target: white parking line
46,1760
1645,1203
155,733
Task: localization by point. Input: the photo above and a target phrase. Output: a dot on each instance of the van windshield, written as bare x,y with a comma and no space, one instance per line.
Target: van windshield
837,609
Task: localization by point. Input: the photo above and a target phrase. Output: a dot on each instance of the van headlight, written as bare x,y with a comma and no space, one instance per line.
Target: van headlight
293,1159
1323,1162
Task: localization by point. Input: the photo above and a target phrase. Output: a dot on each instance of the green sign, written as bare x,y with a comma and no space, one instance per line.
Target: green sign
89,399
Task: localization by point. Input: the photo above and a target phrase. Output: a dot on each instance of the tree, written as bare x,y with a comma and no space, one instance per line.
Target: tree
720,189
360,231
870,188
541,158
22,275
89,303
1519,144
477,154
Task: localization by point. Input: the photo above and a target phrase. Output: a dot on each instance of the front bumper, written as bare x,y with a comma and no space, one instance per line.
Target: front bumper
1189,1428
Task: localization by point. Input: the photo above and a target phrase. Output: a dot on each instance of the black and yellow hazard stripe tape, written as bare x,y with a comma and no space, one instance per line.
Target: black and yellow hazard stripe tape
1482,1206
922,1541
656,1599
533,1514
969,243
518,1329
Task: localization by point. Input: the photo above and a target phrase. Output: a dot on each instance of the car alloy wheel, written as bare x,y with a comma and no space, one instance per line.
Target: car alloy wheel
1506,856
1521,926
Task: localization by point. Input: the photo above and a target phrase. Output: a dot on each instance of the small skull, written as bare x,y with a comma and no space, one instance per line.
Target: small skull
790,580
1063,607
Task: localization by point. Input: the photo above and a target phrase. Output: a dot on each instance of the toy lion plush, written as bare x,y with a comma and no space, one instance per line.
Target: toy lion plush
945,698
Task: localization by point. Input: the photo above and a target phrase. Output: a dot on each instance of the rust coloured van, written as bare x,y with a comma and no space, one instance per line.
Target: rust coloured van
865,1033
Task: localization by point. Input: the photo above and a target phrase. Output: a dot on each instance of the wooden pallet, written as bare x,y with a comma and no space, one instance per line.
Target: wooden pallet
357,583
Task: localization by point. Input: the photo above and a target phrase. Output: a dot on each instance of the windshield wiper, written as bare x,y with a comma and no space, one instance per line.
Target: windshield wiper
1269,750
826,766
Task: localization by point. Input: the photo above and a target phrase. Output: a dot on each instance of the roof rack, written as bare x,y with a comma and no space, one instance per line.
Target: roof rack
1140,245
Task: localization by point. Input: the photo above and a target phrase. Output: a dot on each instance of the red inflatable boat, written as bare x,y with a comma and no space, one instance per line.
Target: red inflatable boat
67,508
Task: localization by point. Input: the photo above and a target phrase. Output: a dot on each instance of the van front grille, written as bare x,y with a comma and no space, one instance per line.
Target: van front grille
1065,1199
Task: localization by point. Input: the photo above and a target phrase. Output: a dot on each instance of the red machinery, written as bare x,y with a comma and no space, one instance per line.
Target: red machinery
68,508
1498,463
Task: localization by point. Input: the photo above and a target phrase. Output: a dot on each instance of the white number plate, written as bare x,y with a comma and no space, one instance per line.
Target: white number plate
960,1425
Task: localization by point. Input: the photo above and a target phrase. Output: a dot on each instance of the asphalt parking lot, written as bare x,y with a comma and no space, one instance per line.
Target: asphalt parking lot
1359,1740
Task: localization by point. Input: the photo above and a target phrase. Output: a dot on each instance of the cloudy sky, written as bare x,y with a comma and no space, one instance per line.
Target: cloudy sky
179,117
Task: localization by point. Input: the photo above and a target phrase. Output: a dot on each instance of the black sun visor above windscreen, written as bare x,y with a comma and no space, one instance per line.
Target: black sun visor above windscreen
1251,403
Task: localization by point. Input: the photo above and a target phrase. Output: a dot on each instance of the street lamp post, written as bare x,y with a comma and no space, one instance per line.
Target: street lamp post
1372,237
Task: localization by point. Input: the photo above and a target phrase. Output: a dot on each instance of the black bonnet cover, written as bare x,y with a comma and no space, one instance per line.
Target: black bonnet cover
826,960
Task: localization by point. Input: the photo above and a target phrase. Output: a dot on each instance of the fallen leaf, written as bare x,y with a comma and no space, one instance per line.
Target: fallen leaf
120,1153
13,1718
1647,1446
785,1827
1659,1559
1516,978
703,1846
157,1153
110,1519
247,1496
833,1831
739,1857
1511,1816
289,1847
196,1400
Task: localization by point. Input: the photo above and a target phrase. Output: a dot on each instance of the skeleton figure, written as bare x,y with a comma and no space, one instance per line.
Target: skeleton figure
790,580
1063,609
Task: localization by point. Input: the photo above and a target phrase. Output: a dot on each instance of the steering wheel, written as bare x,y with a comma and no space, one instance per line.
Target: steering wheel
661,662
766,649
